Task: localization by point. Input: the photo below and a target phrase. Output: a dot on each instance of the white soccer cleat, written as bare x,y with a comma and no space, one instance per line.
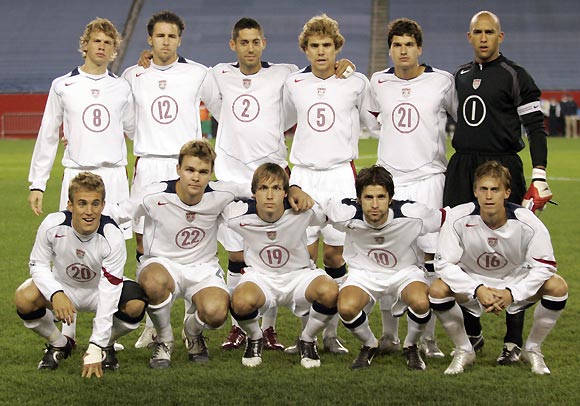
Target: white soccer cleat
536,359
253,353
429,347
161,357
308,354
461,359
147,337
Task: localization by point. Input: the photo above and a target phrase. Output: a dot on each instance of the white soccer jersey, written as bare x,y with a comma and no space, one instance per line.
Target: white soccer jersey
251,122
62,259
167,102
412,142
279,247
329,113
390,247
94,110
174,230
467,246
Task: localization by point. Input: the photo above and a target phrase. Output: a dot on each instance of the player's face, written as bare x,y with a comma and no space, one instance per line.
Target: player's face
404,52
164,43
375,201
321,54
194,175
491,195
248,47
269,197
86,209
99,49
484,36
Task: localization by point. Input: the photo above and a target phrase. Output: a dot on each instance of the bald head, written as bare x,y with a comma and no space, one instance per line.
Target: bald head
485,36
487,15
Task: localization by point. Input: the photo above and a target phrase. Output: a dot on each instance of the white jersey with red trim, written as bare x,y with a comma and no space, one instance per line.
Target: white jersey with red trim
467,246
413,142
278,247
329,113
251,121
174,230
93,110
167,100
390,247
63,259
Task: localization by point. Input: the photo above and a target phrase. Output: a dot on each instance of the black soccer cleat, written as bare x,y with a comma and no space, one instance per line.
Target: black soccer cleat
365,357
110,359
53,355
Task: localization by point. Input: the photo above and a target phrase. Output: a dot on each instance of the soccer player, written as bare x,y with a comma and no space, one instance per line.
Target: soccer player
384,260
167,98
328,112
414,101
280,271
180,242
493,256
496,96
76,265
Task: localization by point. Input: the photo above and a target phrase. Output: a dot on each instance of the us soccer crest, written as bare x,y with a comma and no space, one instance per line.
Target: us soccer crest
476,83
162,84
379,240
406,91
80,253
321,91
271,235
247,83
95,93
190,216
492,241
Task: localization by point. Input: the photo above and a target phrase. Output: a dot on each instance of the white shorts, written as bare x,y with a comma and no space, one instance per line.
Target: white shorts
116,189
385,287
149,170
428,191
321,186
288,289
189,279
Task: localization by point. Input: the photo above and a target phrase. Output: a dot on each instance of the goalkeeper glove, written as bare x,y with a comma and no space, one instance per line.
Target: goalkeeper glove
539,192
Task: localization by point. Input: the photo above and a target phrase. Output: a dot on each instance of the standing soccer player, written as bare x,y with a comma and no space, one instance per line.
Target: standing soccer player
494,256
414,102
77,265
496,96
328,113
280,271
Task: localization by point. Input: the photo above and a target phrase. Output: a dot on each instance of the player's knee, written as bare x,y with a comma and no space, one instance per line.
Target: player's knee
27,297
327,293
154,282
439,290
134,308
420,305
556,286
214,314
347,308
242,304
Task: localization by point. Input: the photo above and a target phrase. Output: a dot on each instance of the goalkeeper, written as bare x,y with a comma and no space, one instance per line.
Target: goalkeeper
496,97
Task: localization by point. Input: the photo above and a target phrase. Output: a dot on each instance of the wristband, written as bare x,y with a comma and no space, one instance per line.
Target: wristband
94,354
538,174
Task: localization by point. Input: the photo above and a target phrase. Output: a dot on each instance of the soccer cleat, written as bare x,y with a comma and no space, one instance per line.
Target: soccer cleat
388,345
477,342
196,348
365,357
235,339
147,337
161,356
53,355
271,340
333,345
536,359
253,354
461,359
308,354
414,360
510,354
110,358
429,347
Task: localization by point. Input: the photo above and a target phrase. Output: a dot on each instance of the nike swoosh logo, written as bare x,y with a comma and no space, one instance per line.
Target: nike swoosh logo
126,228
59,235
225,71
161,203
464,71
139,74
298,80
382,81
68,84
471,225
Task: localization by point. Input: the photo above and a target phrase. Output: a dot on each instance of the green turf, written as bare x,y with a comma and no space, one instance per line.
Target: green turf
280,379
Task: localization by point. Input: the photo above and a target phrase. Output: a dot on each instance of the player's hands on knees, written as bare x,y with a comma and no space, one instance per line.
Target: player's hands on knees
145,58
344,68
92,362
63,308
488,299
299,200
35,201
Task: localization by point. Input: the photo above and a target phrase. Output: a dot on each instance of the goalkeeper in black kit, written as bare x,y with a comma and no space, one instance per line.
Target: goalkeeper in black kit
496,96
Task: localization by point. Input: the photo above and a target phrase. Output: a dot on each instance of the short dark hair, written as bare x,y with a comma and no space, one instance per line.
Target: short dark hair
86,181
198,148
405,26
246,23
270,170
374,175
495,170
165,16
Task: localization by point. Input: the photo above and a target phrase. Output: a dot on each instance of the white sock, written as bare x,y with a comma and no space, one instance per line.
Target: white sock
46,328
390,325
544,321
120,328
429,332
315,323
452,321
331,329
414,330
70,330
232,280
363,331
161,316
252,328
269,318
